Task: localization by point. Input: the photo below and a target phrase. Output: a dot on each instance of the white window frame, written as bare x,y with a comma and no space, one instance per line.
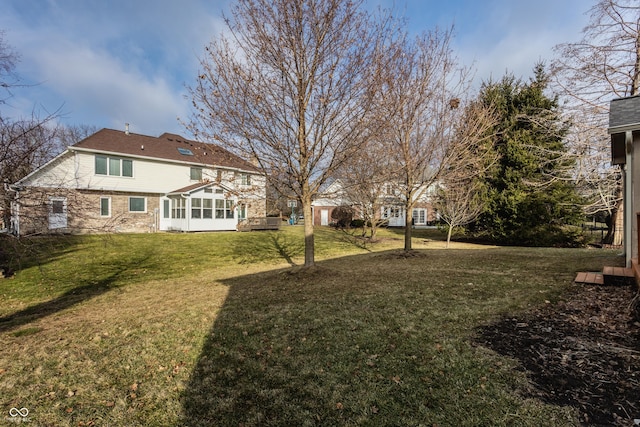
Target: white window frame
417,214
195,171
137,197
109,160
245,179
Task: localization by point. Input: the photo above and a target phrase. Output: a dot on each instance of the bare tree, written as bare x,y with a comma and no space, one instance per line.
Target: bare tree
364,178
461,193
605,64
291,87
425,98
8,60
72,134
25,144
458,204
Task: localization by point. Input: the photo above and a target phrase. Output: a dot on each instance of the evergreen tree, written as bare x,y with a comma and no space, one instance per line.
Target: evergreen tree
530,197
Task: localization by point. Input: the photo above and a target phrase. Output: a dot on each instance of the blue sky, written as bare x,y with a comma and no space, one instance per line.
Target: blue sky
107,63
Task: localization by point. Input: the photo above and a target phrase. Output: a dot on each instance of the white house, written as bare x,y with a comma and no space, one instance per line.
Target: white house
322,206
125,182
392,205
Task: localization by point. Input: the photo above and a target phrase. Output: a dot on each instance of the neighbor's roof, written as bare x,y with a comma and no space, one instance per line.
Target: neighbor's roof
167,146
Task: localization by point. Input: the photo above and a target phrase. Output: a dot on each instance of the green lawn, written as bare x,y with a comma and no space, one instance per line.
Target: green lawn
226,329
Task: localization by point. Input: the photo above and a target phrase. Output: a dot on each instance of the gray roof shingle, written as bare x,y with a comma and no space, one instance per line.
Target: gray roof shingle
624,114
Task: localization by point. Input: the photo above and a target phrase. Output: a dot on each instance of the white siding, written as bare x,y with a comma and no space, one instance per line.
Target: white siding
77,170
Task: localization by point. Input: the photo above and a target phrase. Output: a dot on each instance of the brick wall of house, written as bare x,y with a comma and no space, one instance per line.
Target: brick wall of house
83,212
256,208
85,216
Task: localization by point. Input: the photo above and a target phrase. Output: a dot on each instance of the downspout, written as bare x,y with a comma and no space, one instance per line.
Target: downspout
628,199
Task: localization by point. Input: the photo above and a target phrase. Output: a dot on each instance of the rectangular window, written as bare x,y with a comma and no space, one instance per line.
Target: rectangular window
207,208
196,208
127,167
101,165
105,206
242,211
245,179
219,209
196,174
178,208
113,166
57,206
229,209
224,209
166,209
137,204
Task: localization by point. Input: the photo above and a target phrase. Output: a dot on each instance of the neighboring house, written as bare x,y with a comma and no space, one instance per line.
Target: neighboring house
392,205
331,197
125,182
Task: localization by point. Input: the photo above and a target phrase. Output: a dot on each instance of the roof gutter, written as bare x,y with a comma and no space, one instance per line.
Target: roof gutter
137,156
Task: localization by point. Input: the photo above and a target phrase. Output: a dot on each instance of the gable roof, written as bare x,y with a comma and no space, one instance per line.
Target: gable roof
197,186
167,146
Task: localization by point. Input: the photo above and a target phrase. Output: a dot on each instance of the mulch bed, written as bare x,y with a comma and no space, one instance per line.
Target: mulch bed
583,352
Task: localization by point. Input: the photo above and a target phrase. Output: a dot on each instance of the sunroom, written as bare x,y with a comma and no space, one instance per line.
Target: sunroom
205,206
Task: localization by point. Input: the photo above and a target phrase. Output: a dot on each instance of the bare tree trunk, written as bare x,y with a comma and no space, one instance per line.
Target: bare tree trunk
449,235
309,241
618,235
408,231
615,233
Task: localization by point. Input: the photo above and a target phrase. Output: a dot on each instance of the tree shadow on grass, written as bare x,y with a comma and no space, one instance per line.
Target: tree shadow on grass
290,347
236,383
256,248
47,308
17,254
68,299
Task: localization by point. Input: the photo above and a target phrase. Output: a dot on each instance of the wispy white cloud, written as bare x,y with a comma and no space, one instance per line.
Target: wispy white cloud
110,63
505,36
